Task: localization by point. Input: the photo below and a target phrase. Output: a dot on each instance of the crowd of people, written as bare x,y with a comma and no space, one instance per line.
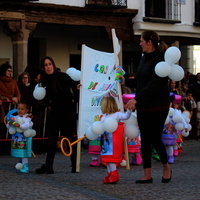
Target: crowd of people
151,101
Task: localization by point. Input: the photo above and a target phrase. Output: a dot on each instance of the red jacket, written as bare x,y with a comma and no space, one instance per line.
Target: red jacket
9,88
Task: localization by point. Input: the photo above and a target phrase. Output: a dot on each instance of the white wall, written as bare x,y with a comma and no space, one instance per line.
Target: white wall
185,28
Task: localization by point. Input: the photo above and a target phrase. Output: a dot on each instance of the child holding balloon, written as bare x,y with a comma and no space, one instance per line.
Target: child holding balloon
112,141
21,143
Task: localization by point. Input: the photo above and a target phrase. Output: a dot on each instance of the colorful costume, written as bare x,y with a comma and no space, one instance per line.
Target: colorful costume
21,146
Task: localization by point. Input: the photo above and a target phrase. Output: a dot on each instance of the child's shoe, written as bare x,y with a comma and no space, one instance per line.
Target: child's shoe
105,179
133,161
180,150
138,159
175,152
25,168
171,159
113,178
94,163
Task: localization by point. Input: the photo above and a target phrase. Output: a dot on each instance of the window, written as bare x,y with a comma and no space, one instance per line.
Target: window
197,12
164,9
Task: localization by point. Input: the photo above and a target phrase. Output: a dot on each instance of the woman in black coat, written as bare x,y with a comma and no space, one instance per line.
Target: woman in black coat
152,104
61,92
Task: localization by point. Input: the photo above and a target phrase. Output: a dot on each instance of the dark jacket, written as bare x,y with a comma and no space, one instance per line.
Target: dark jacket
151,91
61,93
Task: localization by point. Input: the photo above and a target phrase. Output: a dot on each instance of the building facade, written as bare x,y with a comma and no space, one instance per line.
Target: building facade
30,30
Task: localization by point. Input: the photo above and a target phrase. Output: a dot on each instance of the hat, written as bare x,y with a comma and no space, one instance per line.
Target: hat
4,68
178,99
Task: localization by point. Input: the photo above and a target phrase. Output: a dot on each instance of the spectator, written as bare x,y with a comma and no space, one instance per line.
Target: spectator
9,91
8,87
62,114
25,88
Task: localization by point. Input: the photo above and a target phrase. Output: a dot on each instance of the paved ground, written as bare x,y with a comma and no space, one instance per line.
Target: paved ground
87,184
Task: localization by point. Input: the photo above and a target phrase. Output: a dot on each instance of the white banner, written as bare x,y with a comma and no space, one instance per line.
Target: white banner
98,80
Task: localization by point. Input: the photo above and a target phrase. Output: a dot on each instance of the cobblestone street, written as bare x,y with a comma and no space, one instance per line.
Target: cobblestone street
87,184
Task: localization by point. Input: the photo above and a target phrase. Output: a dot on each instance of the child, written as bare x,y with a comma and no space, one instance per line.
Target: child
178,110
169,140
112,143
21,145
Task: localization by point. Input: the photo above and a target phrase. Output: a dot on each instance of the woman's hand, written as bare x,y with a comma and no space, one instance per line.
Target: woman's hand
79,86
131,104
15,100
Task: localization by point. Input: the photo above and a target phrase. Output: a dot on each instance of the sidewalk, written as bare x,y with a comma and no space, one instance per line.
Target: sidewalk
185,183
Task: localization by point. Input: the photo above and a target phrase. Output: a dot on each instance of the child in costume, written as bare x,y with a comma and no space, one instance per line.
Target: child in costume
19,127
177,111
133,144
169,140
112,143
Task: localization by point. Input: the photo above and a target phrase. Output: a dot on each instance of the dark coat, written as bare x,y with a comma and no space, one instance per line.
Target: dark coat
152,90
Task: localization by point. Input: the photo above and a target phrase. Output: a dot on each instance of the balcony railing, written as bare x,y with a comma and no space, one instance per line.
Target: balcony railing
106,3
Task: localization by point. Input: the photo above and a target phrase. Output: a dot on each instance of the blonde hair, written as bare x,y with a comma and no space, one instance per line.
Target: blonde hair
109,105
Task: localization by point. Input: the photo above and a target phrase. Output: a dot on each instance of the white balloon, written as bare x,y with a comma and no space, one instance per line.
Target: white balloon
28,133
70,70
123,163
131,131
37,85
12,130
189,127
19,130
97,128
33,132
76,75
39,93
90,135
171,112
167,120
163,69
31,124
131,120
186,113
110,124
179,126
185,134
172,55
176,118
177,73
19,120
19,166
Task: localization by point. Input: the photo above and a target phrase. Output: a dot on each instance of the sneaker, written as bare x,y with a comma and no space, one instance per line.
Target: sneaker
25,168
44,170
133,162
171,159
175,152
138,159
180,150
94,163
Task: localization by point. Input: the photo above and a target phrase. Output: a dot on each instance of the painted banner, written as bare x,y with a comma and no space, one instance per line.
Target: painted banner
98,72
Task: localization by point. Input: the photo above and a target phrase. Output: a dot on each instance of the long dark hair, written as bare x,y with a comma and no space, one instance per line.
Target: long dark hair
155,38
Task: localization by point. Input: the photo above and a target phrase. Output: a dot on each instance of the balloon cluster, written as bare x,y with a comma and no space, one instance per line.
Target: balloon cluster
168,67
39,92
27,132
74,73
176,119
110,125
